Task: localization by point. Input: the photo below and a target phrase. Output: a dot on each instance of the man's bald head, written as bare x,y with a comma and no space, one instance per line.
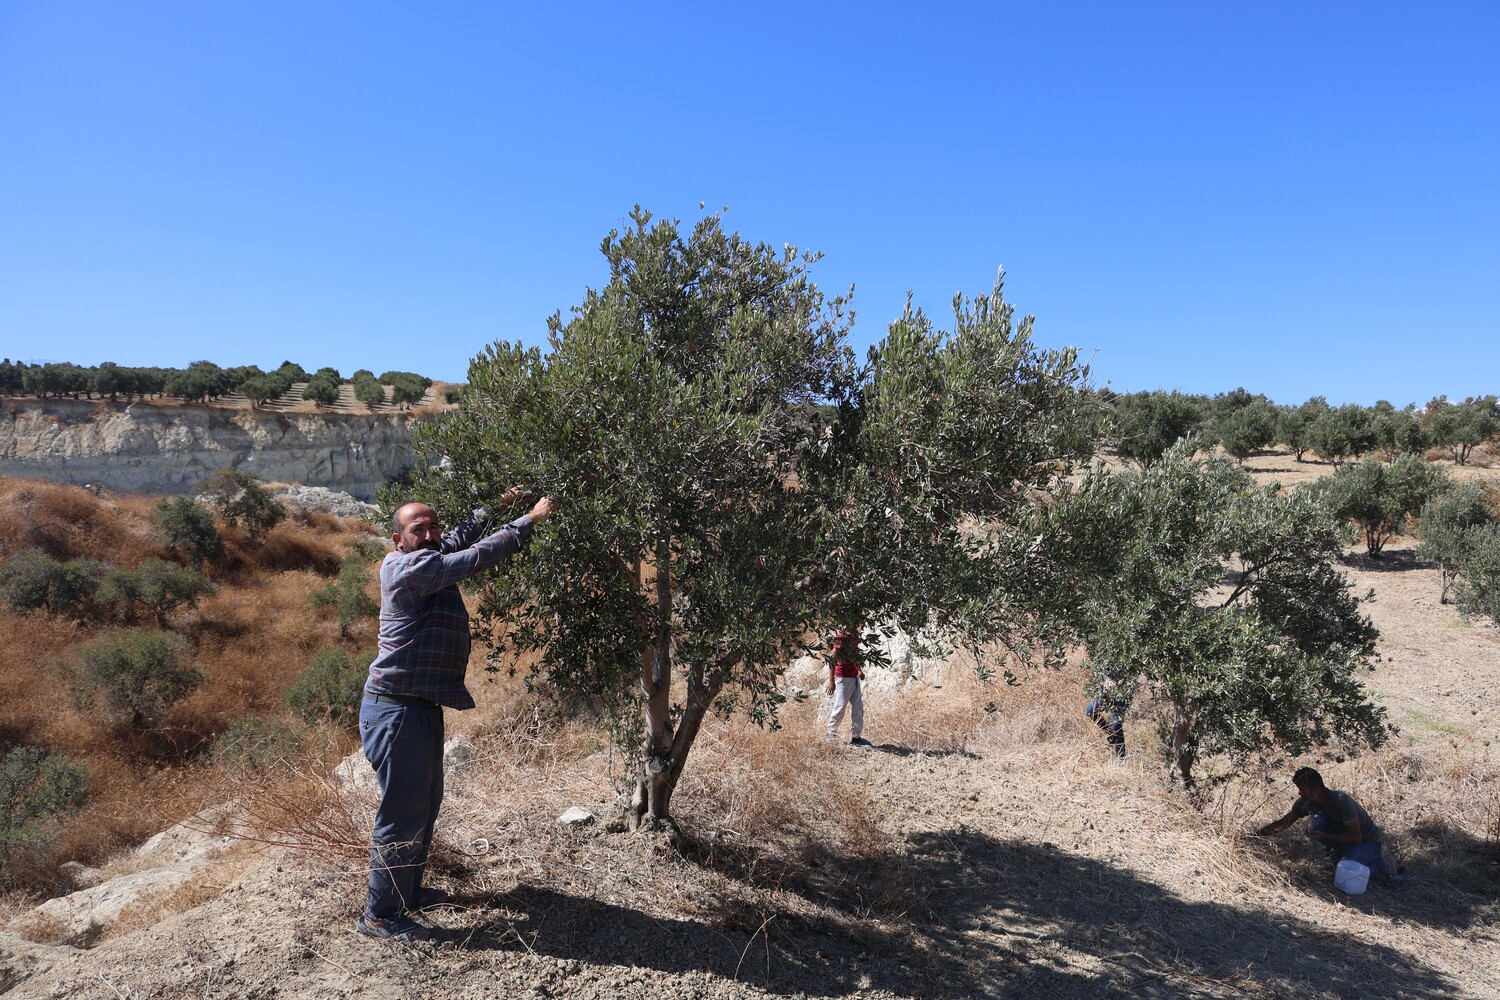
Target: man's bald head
415,526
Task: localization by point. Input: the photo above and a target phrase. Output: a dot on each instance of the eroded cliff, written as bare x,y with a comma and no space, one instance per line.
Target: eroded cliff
167,449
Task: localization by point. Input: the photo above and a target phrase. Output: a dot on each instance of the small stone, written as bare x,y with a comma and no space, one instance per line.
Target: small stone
576,816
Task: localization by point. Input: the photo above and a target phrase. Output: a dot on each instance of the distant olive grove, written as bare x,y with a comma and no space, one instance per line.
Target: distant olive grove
204,381
1382,484
1145,424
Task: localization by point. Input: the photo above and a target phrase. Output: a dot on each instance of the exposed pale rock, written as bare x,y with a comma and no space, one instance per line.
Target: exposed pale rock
168,449
164,864
576,816
321,499
458,753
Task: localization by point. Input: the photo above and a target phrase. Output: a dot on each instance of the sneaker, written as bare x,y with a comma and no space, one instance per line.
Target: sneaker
1397,880
860,741
401,928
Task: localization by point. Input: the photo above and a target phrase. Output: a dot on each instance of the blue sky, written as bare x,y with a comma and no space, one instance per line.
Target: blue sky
1297,198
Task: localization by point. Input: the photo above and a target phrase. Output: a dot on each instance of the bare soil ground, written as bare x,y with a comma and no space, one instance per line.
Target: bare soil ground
989,847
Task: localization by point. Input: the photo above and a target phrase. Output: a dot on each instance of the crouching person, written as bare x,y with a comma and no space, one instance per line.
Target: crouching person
1339,823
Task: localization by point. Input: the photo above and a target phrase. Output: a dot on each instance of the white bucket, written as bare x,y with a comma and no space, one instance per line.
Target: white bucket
1351,876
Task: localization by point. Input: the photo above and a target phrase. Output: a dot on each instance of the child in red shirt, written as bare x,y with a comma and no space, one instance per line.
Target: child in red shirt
844,677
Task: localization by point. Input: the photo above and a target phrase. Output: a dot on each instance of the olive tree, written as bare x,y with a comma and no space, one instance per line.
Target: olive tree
1447,529
1460,427
138,674
1397,432
1342,433
733,482
1478,587
186,526
1221,602
1380,499
241,499
1294,424
1146,424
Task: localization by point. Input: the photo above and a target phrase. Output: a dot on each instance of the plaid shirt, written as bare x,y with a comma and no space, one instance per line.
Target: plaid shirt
424,625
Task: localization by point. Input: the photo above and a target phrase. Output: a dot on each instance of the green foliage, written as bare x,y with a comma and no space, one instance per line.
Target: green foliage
1460,427
156,587
1446,529
321,391
347,595
257,744
331,686
1243,423
1478,590
1380,499
1148,423
36,788
1342,433
31,579
1397,432
369,391
731,480
367,549
1294,424
187,527
138,674
241,500
1221,601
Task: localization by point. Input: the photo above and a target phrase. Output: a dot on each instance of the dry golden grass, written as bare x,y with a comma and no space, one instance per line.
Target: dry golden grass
250,640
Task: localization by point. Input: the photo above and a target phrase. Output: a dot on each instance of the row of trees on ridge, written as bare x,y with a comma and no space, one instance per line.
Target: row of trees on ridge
205,380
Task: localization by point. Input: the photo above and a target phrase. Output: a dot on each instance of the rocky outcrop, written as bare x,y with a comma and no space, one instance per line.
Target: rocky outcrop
168,449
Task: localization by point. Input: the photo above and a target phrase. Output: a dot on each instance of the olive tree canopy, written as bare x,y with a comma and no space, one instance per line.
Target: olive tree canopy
734,483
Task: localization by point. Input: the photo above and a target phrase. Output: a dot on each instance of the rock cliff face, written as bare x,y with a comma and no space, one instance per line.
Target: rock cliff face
167,449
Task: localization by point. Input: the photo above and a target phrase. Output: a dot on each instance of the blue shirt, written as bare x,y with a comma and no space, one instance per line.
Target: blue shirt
424,625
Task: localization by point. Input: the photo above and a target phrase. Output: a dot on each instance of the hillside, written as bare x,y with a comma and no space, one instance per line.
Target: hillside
163,446
988,847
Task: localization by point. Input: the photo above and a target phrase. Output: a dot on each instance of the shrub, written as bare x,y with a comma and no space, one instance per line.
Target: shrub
369,392
187,526
257,744
1342,433
1379,499
1447,526
159,587
1478,590
36,787
139,673
331,687
321,391
241,500
347,595
32,579
1148,423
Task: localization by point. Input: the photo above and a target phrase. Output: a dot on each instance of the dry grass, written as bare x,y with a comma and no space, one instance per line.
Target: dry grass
250,640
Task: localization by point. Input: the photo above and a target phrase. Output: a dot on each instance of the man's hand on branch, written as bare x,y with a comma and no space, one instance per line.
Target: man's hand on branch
545,507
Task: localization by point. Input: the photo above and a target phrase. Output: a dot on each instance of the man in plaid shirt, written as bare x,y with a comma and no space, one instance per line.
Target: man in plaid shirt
419,669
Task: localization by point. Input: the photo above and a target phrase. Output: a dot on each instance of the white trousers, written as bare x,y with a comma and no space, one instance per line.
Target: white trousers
846,694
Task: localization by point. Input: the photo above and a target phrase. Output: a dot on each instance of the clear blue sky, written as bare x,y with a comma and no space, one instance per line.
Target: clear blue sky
1300,198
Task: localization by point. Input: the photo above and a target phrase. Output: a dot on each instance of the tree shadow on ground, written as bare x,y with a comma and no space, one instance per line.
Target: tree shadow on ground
1389,561
992,918
896,750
